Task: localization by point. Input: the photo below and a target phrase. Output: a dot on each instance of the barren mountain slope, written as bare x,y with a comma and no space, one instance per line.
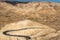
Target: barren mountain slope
45,13
9,14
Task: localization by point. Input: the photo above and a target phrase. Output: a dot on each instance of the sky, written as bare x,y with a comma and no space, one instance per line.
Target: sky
36,0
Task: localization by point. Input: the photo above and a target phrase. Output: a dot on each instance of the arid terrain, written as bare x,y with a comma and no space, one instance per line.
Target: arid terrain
41,20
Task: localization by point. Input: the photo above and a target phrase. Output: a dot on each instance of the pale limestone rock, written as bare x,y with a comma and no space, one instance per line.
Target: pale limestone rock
34,30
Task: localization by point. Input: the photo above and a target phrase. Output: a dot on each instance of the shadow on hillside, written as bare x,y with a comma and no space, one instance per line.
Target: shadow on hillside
15,2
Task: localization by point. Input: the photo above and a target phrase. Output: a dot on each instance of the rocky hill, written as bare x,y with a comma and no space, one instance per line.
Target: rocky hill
45,13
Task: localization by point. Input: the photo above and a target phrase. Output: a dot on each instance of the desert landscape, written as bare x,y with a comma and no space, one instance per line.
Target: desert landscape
30,21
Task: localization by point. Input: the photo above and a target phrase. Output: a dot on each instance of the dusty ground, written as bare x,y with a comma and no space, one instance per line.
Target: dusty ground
44,13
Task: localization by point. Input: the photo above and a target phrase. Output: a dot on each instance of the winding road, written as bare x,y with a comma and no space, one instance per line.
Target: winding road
27,37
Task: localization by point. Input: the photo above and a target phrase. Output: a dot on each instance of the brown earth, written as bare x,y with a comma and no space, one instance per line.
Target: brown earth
45,13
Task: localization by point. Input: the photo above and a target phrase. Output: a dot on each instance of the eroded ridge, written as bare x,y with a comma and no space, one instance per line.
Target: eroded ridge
30,30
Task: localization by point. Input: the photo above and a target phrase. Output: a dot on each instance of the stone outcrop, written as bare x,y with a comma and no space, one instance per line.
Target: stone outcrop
34,30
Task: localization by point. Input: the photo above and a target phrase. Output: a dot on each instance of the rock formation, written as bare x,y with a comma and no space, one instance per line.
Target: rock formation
37,14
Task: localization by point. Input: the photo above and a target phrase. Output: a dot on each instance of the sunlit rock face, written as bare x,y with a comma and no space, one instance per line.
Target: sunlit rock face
32,29
40,18
46,13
